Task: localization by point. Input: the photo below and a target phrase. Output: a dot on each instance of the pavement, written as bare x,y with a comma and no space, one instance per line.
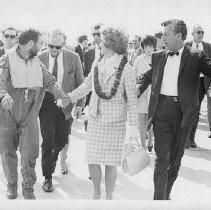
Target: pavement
192,189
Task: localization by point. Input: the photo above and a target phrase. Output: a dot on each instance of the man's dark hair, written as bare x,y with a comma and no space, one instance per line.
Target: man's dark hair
10,28
28,35
159,34
82,38
179,26
97,26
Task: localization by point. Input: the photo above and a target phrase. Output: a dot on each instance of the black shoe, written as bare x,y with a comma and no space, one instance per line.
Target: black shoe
150,148
11,192
209,134
85,124
47,185
193,144
64,170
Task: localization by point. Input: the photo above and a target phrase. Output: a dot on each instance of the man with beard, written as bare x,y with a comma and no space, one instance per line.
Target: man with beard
23,79
55,122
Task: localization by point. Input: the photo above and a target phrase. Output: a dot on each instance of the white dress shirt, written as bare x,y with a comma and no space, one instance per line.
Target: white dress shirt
60,68
170,75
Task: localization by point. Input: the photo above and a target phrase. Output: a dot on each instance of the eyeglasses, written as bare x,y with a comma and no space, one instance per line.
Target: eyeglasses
9,36
200,32
97,34
54,46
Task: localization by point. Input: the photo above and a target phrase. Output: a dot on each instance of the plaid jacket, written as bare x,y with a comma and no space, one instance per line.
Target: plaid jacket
115,109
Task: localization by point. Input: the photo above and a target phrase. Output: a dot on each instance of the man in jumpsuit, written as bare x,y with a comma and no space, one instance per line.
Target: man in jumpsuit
23,80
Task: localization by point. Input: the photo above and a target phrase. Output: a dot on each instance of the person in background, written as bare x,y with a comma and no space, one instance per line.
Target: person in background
113,86
9,38
160,45
141,65
136,51
204,82
82,47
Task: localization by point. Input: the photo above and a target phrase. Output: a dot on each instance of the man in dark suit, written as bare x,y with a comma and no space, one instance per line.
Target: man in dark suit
55,121
9,38
89,56
173,105
82,47
136,51
204,82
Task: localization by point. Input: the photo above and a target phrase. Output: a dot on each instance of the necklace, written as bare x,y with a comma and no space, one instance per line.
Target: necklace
115,85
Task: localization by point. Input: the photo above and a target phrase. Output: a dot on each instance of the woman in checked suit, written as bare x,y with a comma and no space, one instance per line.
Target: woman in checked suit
113,85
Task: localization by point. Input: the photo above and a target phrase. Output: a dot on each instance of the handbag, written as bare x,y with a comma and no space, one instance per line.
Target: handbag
135,160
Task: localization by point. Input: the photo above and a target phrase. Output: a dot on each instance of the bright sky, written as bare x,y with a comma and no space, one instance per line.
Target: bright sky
76,17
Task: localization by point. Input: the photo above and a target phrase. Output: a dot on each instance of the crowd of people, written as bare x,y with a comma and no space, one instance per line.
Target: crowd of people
155,84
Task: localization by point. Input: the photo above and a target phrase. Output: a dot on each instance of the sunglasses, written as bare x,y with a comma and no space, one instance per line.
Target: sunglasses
9,36
200,32
54,46
97,34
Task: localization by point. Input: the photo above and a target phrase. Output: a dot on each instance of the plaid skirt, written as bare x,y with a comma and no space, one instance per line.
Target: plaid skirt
105,142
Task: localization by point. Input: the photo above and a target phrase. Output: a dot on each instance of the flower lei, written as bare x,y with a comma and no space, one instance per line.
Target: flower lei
116,83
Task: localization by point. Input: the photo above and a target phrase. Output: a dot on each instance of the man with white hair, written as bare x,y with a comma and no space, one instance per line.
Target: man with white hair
55,121
204,82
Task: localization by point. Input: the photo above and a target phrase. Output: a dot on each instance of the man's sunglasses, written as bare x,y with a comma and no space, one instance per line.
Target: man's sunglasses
9,36
54,46
200,32
97,34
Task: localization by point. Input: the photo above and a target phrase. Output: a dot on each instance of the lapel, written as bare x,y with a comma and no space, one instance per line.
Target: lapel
161,66
205,48
45,59
184,57
65,66
112,71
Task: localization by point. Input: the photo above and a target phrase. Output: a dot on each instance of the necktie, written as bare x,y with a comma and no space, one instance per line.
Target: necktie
197,46
171,53
55,67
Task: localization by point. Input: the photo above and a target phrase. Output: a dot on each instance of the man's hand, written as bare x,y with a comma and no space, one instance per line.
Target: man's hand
7,102
77,112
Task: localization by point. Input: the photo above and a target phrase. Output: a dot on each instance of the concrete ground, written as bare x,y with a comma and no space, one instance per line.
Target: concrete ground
192,190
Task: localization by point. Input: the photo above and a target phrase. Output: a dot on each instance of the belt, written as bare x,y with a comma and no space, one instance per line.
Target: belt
171,98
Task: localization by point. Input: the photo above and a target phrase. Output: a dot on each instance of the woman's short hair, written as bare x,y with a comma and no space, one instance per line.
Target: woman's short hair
149,40
115,40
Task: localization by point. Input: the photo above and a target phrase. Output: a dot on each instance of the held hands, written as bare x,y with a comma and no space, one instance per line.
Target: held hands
7,102
63,102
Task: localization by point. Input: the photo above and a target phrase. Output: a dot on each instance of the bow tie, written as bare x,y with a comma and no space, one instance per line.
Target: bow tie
171,53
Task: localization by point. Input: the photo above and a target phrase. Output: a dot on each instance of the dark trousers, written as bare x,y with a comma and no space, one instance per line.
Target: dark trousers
170,141
55,130
201,94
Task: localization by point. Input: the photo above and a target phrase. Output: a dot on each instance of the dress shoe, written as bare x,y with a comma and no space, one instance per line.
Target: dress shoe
28,194
11,192
193,144
209,134
150,148
47,185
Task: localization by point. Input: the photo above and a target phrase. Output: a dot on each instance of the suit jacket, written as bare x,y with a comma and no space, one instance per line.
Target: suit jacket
191,65
115,109
207,52
2,52
72,77
89,57
80,53
132,56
